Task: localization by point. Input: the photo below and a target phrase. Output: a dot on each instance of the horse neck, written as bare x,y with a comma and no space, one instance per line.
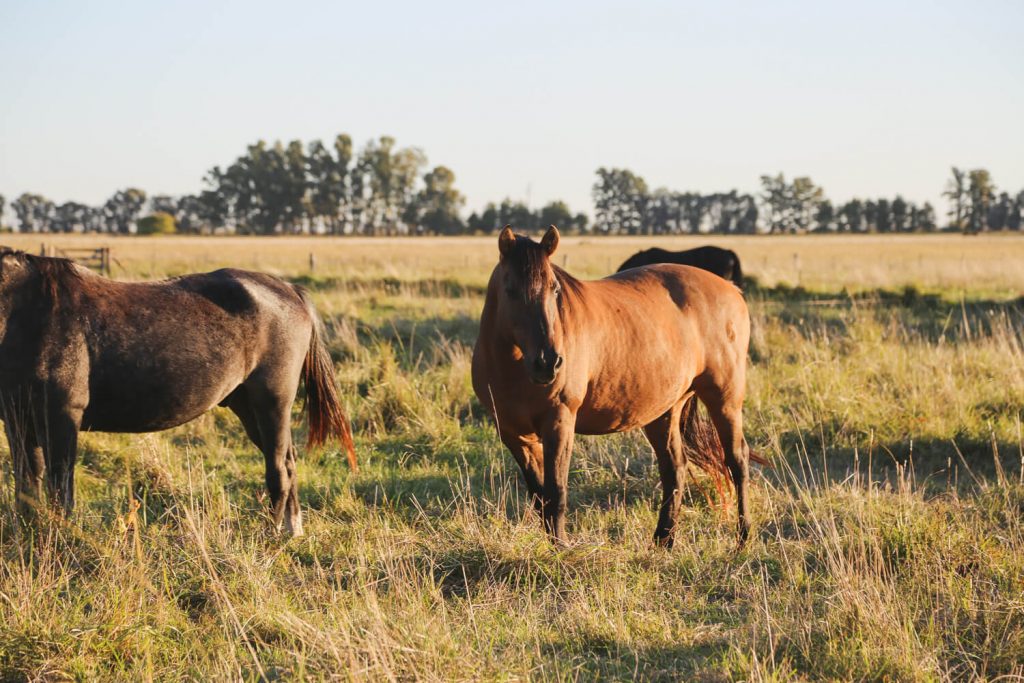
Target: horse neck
490,324
571,306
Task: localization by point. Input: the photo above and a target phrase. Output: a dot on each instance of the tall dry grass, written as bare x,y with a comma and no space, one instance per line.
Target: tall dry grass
888,540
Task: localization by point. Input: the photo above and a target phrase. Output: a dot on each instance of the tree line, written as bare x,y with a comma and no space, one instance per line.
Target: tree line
318,188
624,205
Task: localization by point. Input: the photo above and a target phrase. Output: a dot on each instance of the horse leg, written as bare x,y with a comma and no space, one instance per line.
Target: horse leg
272,416
60,448
558,441
726,411
239,403
666,440
28,463
293,512
529,455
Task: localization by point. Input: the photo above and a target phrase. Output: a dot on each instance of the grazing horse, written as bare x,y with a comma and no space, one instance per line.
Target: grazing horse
722,262
558,356
79,351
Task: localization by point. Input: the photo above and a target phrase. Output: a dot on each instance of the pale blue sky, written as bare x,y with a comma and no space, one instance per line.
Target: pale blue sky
868,98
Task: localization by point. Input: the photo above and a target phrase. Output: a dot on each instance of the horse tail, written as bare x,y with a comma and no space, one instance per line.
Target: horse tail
737,271
704,449
326,415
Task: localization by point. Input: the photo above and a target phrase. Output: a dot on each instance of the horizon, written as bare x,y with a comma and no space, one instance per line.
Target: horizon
527,111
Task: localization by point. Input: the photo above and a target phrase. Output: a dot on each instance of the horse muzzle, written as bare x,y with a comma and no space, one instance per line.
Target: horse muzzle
545,367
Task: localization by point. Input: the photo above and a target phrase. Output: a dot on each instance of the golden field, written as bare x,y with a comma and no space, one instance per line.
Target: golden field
886,387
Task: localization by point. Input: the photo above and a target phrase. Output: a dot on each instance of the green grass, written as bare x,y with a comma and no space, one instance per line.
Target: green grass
888,542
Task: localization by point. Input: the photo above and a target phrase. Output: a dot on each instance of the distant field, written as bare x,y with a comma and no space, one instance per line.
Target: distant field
990,263
886,386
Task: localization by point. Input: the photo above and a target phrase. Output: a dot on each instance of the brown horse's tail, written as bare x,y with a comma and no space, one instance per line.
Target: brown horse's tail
704,449
326,415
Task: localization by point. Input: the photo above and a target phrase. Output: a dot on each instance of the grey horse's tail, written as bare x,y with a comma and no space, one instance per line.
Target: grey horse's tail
327,419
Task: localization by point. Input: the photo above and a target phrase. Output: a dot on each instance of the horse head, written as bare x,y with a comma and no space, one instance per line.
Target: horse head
528,301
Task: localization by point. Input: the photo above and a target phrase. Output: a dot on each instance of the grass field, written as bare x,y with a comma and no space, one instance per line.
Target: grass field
886,386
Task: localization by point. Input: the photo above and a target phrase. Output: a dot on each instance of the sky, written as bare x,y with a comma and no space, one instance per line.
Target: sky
522,100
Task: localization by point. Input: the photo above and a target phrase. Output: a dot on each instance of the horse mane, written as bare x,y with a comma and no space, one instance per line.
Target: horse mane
566,280
531,257
55,274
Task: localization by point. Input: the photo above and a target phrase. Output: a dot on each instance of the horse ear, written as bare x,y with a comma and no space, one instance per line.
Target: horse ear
550,240
506,240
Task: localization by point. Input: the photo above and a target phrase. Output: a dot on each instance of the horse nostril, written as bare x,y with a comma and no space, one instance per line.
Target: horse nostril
558,361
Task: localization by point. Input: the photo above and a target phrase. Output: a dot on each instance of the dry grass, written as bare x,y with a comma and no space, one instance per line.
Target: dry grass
889,541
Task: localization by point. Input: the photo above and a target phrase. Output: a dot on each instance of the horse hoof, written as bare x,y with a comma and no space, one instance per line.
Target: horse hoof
294,526
665,542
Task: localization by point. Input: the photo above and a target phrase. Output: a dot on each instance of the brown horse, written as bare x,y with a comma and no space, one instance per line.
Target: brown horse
79,351
722,262
557,357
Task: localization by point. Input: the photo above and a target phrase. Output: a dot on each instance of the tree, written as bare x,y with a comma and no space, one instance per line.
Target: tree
122,210
386,184
775,195
296,188
34,212
926,218
165,203
436,207
71,217
158,223
620,200
661,212
804,197
1016,217
518,215
748,215
3,203
329,182
900,214
582,222
956,193
486,222
999,212
980,193
825,217
216,200
883,216
851,217
557,213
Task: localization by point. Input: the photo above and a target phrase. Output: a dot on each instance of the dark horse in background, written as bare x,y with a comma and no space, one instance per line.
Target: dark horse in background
722,262
558,356
79,351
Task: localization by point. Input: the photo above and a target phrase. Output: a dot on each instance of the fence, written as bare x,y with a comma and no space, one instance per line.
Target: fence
98,259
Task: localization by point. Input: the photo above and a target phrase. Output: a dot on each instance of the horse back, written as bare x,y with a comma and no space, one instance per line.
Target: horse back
162,353
722,262
646,334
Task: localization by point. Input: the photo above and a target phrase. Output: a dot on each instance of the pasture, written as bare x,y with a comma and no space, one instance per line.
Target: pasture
886,385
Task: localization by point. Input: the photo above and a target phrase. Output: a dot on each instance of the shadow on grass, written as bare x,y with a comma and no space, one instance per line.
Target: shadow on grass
600,658
435,480
931,316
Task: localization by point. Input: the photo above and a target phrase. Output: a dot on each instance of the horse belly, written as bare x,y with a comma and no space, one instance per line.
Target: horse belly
618,402
155,397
